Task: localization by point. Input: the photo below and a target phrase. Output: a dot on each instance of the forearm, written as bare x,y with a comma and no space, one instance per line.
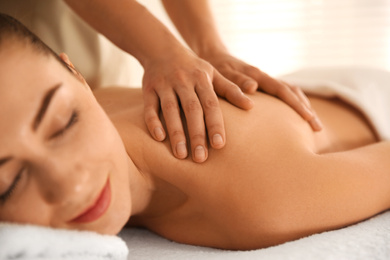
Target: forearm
130,26
194,21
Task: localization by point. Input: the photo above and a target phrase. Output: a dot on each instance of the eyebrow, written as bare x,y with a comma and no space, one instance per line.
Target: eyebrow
41,113
44,105
4,160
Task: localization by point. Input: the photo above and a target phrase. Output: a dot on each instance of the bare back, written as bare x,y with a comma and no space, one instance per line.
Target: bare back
237,198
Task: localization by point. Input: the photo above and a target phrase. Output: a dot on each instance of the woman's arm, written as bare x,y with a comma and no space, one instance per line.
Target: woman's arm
194,21
173,77
331,191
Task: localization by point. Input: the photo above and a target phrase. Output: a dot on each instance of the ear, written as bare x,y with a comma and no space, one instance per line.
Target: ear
78,75
66,59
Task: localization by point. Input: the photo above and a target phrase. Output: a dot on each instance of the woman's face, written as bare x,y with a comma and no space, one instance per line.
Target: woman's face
62,162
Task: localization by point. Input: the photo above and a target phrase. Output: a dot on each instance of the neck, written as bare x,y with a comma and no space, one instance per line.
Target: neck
152,197
141,189
151,193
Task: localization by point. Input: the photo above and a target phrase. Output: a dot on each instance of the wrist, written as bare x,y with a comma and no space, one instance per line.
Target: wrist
173,54
169,51
208,50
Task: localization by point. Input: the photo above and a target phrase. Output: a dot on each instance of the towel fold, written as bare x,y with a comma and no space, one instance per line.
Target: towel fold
366,89
33,242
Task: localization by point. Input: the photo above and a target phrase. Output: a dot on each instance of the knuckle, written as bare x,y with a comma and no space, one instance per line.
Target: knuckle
179,76
193,106
235,88
252,70
214,128
203,80
170,105
198,136
176,134
232,88
233,91
198,73
148,88
211,104
148,109
151,83
151,119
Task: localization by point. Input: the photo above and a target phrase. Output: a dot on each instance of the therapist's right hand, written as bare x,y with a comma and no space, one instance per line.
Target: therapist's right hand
189,84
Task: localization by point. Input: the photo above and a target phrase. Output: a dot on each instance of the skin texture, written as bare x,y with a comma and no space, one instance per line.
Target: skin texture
275,180
176,78
59,179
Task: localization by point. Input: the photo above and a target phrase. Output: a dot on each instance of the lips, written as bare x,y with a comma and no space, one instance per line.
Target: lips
99,207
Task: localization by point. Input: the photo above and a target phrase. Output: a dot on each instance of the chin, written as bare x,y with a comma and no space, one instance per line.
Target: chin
115,224
112,222
118,213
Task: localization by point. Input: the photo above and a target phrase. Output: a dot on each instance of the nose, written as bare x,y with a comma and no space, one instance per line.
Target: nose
60,178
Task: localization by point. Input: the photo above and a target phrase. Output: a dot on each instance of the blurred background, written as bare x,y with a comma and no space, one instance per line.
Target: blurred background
279,36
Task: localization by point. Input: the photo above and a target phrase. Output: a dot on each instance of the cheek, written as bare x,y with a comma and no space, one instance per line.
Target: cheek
28,207
101,142
104,149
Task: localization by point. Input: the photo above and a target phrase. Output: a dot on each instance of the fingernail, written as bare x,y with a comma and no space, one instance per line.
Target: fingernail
181,149
158,133
217,140
200,153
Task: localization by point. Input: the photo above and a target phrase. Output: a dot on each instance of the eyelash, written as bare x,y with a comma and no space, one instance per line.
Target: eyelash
73,119
6,195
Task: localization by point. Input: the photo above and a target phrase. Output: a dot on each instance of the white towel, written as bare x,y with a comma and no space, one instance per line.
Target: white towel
34,242
366,89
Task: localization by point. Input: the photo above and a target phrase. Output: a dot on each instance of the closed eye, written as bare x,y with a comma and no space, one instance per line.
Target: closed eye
72,120
7,194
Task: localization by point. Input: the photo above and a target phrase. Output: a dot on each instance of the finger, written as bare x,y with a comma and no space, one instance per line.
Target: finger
195,123
247,84
152,120
315,121
231,92
171,112
212,113
298,91
287,95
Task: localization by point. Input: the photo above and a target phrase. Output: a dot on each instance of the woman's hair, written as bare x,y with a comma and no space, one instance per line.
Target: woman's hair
12,30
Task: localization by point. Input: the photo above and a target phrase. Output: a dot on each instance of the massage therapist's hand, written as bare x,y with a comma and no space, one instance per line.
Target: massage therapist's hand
251,79
188,83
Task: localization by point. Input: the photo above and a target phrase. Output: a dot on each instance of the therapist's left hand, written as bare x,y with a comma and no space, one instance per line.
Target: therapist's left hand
185,83
250,79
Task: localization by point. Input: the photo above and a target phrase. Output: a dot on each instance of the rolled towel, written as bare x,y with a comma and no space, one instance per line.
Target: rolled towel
367,89
36,242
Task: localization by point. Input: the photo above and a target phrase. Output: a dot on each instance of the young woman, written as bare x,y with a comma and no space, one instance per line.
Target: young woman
74,159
